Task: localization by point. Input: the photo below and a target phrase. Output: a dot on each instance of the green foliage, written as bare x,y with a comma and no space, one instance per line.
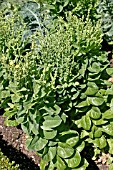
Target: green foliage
78,7
5,164
106,10
58,90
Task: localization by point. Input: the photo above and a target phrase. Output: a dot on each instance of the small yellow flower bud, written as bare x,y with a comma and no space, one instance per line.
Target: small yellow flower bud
11,62
17,66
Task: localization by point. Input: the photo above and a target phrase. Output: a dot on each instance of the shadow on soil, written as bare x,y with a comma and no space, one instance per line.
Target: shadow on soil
14,155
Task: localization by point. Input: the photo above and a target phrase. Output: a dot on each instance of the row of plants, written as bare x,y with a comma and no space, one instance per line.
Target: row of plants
54,80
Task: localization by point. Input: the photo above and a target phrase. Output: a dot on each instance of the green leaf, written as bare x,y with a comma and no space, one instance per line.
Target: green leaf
81,147
42,164
20,120
66,2
15,97
96,101
51,122
109,71
99,122
40,144
51,143
52,153
64,150
98,133
50,134
28,141
5,94
108,129
100,142
32,143
11,122
91,91
84,133
95,113
84,122
83,167
71,136
60,165
110,143
108,114
95,68
74,161
72,141
9,114
82,104
51,166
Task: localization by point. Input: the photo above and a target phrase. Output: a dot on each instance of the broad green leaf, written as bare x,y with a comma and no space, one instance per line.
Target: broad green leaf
74,161
109,91
109,71
52,153
51,143
91,91
15,97
25,127
64,150
66,2
108,129
9,114
100,142
20,120
110,143
108,114
83,167
51,166
11,122
71,137
95,113
82,104
32,143
60,165
51,122
64,117
41,143
28,105
28,141
50,134
84,122
96,101
72,141
81,146
84,133
98,133
99,122
5,94
95,68
42,164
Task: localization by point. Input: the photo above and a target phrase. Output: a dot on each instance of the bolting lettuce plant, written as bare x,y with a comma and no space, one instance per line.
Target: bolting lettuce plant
58,91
